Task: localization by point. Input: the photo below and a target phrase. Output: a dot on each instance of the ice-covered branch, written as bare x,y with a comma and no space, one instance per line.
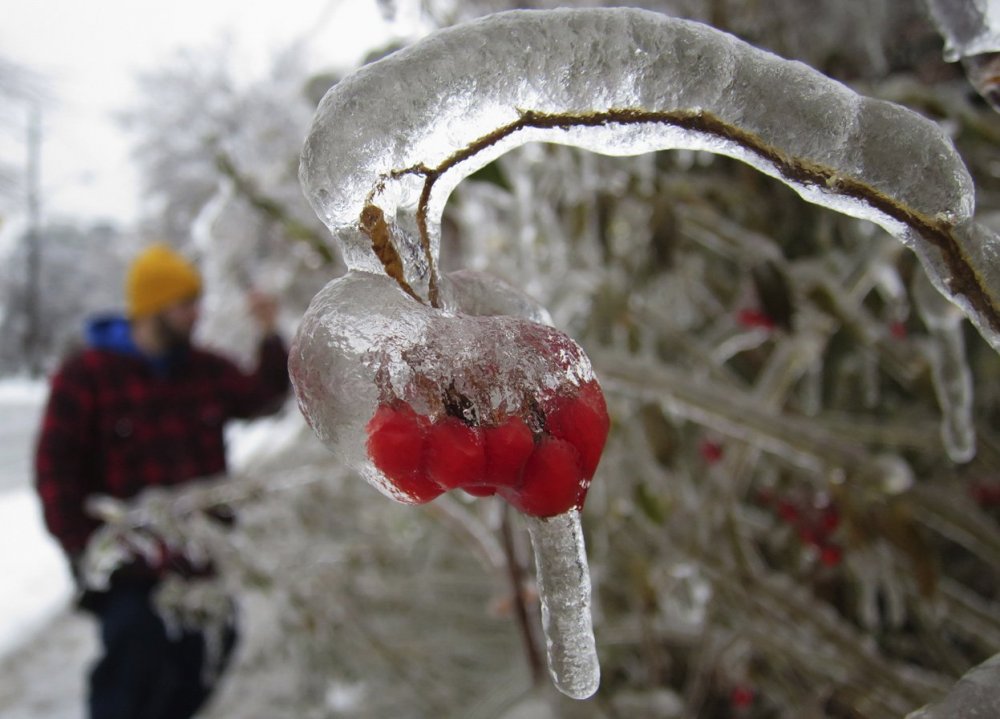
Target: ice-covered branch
971,31
400,134
975,695
969,27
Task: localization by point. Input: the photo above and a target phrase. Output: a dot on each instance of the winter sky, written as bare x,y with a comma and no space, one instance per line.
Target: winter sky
88,53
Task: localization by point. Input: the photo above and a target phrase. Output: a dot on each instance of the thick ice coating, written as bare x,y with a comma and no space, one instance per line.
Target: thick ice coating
425,399
400,134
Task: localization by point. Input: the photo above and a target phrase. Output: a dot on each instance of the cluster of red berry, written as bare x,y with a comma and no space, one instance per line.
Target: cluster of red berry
541,473
814,523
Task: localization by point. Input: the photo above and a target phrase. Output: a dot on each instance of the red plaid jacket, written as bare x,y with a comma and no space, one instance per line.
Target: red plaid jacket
115,425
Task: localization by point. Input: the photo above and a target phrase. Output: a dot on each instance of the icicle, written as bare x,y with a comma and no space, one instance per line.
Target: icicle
564,587
949,369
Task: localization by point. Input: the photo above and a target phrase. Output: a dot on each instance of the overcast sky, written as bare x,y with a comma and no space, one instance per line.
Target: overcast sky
88,52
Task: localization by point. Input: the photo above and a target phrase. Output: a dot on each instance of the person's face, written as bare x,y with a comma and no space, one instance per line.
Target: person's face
176,323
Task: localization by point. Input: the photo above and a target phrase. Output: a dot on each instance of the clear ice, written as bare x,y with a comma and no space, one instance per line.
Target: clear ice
395,138
364,341
949,369
564,589
969,27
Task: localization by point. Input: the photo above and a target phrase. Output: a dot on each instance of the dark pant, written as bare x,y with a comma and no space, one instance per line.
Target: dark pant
147,672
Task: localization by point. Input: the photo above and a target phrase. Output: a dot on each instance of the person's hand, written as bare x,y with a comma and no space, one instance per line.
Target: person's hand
264,310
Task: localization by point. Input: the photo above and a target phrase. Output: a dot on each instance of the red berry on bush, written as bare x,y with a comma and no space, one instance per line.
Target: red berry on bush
788,511
552,481
741,696
456,453
831,555
582,420
396,444
830,519
710,451
755,319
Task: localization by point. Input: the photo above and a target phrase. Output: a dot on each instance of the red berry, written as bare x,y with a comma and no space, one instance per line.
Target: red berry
508,446
741,696
456,453
552,481
710,451
755,319
582,420
985,493
396,442
788,510
831,555
830,519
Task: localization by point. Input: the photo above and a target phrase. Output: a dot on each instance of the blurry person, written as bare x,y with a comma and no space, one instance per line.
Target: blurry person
141,406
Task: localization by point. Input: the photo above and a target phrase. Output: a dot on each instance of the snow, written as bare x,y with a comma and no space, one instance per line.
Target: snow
36,583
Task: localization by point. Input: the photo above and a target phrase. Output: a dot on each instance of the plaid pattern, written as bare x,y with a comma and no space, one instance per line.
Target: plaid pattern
114,426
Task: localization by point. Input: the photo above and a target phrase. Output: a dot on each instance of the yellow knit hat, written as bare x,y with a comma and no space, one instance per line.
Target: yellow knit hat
158,278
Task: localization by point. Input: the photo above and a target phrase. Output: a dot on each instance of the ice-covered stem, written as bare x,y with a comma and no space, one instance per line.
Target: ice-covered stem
374,225
272,208
516,575
971,30
731,412
564,589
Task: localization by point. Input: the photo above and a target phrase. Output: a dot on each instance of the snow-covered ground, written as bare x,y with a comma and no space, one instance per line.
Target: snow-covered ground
36,585
44,647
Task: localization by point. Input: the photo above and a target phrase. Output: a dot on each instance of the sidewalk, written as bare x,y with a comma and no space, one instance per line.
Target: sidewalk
44,678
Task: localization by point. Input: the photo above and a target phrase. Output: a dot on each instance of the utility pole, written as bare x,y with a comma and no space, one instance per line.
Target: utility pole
33,315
